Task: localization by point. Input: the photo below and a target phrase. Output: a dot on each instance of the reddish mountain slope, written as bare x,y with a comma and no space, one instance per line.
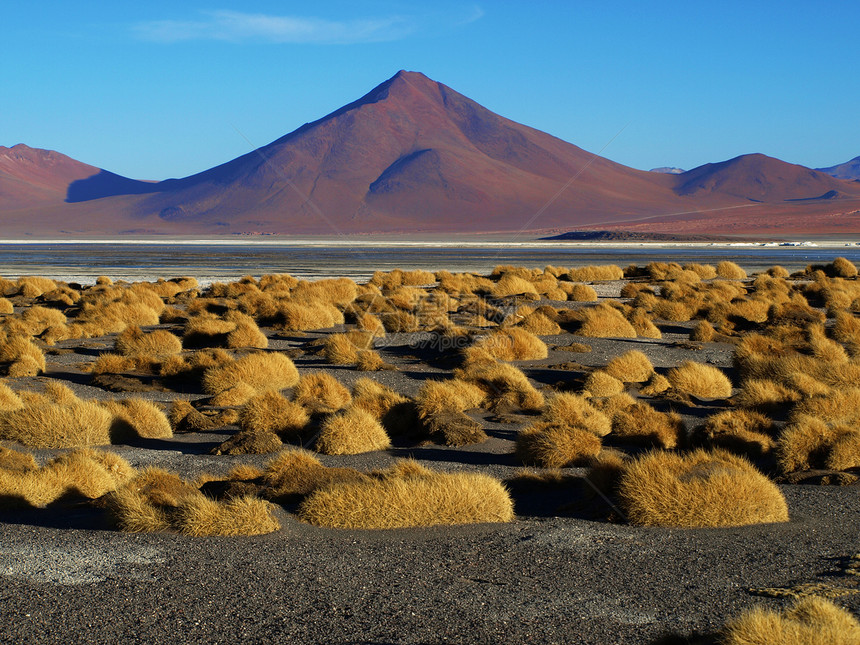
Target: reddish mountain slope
32,176
849,170
759,178
414,155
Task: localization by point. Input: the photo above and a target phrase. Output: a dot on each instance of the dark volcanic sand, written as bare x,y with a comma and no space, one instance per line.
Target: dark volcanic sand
549,577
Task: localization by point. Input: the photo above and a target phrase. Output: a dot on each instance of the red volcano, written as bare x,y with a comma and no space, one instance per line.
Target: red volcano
414,155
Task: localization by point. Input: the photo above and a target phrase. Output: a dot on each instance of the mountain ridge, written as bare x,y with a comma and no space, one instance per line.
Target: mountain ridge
413,154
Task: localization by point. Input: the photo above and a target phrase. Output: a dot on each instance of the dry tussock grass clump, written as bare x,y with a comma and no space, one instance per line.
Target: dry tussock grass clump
839,406
809,442
245,515
642,324
23,356
641,423
401,322
595,273
513,344
767,395
730,271
36,319
742,432
702,332
33,286
604,321
206,330
157,344
350,432
79,473
700,380
370,323
246,332
698,489
453,395
656,385
600,384
272,412
157,500
343,349
43,424
630,367
556,445
143,418
321,392
571,409
537,323
374,397
809,621
454,429
505,386
335,291
369,360
298,316
412,497
6,306
295,472
577,292
263,371
110,363
512,285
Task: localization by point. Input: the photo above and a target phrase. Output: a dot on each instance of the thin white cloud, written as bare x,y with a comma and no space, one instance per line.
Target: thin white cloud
238,27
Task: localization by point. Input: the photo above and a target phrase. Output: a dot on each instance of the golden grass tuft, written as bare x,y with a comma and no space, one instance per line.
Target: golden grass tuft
42,424
766,395
321,392
342,349
556,445
83,473
452,395
809,621
600,384
8,399
655,385
595,273
513,344
505,386
263,371
808,442
604,321
350,432
295,472
409,500
743,432
144,418
159,501
702,331
157,344
698,489
630,367
245,515
641,423
577,292
730,271
700,380
572,409
295,316
273,412
239,394
374,397
537,323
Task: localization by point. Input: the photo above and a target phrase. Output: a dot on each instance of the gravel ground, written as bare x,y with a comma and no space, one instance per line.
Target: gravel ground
551,576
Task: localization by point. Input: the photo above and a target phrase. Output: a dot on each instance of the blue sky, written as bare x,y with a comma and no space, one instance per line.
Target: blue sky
165,89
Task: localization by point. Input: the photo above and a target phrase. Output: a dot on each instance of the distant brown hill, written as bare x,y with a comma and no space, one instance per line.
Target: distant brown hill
849,170
414,155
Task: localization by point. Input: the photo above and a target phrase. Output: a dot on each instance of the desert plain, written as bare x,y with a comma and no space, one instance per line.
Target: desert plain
595,454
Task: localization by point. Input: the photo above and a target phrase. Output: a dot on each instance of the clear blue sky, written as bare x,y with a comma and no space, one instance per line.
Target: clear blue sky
165,89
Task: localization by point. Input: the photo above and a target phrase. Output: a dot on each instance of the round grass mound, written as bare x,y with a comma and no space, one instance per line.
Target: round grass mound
422,498
698,489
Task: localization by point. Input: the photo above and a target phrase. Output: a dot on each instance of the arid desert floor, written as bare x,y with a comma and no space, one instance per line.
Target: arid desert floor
557,455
